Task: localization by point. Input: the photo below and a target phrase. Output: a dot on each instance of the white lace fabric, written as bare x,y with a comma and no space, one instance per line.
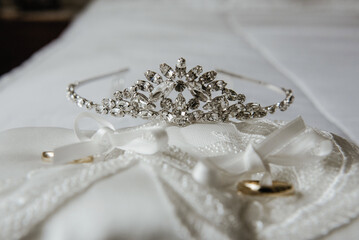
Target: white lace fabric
326,193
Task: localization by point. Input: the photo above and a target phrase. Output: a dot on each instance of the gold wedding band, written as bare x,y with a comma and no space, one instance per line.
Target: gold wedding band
253,188
47,156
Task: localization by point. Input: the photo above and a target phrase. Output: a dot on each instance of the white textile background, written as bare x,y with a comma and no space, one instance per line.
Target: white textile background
315,53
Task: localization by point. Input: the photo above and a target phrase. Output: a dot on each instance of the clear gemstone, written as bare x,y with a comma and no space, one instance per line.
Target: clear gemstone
193,103
181,68
141,99
151,106
282,106
260,113
196,116
123,105
180,102
101,109
180,86
194,73
166,104
88,105
200,94
220,102
241,98
290,100
153,77
217,85
208,76
212,117
271,109
71,88
109,103
80,102
145,114
242,115
233,109
167,71
162,90
230,94
118,95
207,106
117,112
126,93
144,86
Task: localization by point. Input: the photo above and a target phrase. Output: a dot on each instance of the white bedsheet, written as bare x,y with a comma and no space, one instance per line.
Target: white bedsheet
313,52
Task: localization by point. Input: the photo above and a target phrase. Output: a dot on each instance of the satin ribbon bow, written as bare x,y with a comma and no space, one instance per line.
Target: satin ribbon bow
144,141
291,145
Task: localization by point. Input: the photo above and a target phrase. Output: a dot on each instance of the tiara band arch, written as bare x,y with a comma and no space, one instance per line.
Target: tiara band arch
210,102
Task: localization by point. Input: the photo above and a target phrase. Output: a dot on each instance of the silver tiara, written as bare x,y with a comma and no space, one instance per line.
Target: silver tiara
182,97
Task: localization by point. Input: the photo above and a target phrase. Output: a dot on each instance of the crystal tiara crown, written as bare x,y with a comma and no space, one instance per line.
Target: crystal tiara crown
164,97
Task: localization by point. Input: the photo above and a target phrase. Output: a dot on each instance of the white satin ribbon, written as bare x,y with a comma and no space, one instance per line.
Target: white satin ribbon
291,145
144,141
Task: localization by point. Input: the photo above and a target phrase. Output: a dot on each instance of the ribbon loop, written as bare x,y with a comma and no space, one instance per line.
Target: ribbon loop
144,141
291,145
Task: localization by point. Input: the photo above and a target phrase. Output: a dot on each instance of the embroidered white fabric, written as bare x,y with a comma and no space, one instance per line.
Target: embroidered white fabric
326,190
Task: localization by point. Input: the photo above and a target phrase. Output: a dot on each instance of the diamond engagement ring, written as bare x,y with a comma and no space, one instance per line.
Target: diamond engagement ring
164,97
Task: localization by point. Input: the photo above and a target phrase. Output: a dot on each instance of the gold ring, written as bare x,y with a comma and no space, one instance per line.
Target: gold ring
253,188
47,156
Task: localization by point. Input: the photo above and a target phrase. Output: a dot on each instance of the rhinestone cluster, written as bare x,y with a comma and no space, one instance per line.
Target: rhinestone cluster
210,100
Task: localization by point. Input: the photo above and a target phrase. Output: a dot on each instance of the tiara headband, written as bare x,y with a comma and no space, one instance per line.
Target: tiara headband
210,100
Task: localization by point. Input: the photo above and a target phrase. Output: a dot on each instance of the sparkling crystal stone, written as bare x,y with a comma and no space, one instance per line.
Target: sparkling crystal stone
145,114
166,104
234,109
151,106
200,94
101,109
271,109
162,90
217,85
212,117
242,115
180,102
182,121
141,99
123,105
167,116
80,102
144,86
153,77
220,84
195,116
208,76
181,68
194,73
118,95
71,88
220,102
241,98
126,93
73,96
283,106
260,113
290,100
193,103
230,94
167,71
109,103
88,105
180,86
207,106
117,112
